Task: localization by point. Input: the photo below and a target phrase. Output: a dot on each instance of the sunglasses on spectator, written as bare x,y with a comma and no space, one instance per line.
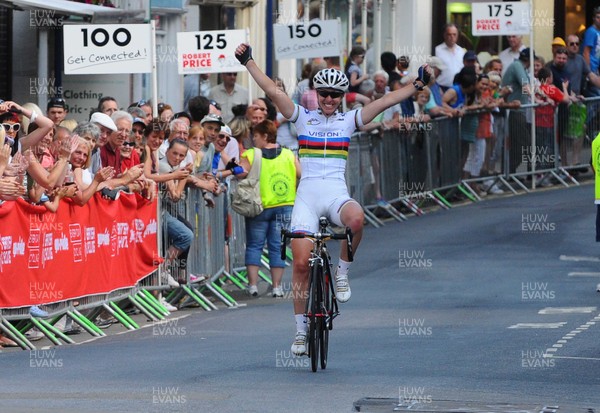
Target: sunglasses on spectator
215,104
57,102
10,126
138,130
333,93
227,138
574,44
141,103
231,74
132,144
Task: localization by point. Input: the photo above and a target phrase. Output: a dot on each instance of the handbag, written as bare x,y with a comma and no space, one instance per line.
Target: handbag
246,199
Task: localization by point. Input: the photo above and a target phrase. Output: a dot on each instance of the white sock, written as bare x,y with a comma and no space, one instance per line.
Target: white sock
301,323
343,267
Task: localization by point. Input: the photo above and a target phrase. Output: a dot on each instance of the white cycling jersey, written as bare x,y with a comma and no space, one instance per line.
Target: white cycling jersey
323,150
323,141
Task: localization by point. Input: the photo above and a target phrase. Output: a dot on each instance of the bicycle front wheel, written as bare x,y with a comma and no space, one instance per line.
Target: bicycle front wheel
315,320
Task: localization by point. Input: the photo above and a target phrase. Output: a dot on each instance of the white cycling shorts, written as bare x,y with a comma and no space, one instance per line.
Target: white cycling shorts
316,198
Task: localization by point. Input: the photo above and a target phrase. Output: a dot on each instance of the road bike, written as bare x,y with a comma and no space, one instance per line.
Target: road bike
321,305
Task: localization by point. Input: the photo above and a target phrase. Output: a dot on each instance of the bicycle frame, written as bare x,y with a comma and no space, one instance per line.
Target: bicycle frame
321,304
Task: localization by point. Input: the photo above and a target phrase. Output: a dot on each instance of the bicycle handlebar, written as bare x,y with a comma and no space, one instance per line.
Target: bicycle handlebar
347,236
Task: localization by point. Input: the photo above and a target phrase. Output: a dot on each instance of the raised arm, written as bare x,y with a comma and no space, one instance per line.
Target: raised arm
286,106
44,125
377,106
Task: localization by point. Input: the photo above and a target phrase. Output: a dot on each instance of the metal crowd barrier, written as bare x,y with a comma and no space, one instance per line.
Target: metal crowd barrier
423,162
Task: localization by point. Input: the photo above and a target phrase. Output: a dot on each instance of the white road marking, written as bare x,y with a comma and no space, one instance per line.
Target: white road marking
572,258
539,325
584,274
567,310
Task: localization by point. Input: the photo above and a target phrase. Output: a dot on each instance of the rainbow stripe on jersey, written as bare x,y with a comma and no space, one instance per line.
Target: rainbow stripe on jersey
327,147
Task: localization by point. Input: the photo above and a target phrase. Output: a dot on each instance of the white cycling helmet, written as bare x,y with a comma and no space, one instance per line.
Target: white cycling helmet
331,79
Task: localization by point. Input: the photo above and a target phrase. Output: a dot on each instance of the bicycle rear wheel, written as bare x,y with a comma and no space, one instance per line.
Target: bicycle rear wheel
326,321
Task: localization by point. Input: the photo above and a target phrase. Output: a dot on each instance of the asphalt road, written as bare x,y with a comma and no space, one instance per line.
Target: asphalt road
490,307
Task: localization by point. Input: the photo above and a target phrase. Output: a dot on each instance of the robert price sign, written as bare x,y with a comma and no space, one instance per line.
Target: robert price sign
500,19
107,48
209,51
319,38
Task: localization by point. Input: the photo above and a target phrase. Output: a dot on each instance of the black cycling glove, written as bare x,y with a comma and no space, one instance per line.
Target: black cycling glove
245,57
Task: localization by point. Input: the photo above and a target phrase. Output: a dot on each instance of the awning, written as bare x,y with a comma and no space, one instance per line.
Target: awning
73,8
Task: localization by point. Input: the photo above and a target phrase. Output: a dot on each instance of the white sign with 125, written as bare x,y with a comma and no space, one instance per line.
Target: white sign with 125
107,48
500,19
209,51
317,38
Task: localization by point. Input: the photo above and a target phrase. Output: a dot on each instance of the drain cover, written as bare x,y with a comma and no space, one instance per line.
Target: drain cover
380,405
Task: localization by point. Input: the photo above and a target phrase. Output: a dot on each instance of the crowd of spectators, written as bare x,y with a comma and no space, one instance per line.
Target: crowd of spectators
45,156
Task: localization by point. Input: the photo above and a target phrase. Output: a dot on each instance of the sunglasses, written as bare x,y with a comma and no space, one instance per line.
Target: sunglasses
57,101
215,104
132,144
9,126
231,74
227,138
141,103
138,130
574,44
334,94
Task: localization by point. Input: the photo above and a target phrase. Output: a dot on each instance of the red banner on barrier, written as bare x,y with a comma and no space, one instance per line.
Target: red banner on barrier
80,250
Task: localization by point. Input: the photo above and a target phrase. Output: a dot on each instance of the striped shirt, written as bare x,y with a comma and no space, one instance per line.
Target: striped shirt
324,141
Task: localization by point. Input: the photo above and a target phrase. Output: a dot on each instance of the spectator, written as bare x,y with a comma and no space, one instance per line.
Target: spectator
56,110
558,43
69,124
579,72
459,99
549,97
107,127
229,94
517,79
179,233
195,85
137,130
108,105
146,106
493,65
512,52
165,112
240,130
199,107
129,154
388,63
110,153
91,133
309,97
352,69
184,116
303,83
257,111
177,130
451,54
287,135
196,140
279,169
403,65
10,121
591,49
538,63
86,184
